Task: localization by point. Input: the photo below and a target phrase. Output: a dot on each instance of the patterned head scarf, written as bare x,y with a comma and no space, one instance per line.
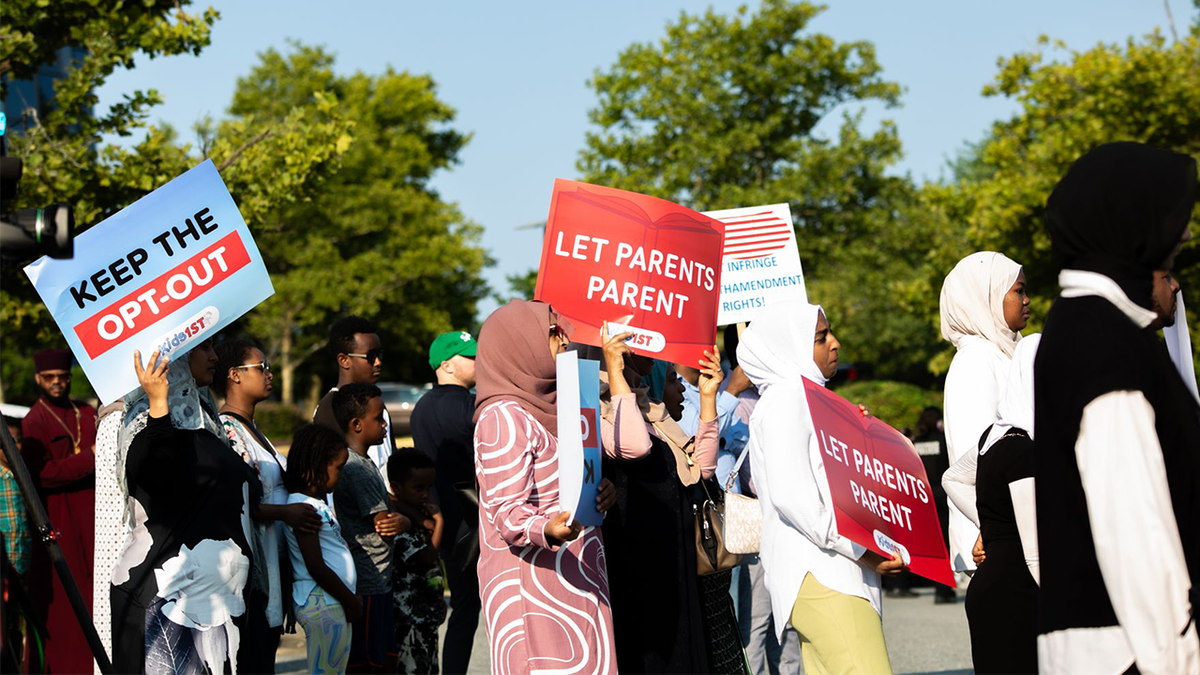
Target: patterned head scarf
191,407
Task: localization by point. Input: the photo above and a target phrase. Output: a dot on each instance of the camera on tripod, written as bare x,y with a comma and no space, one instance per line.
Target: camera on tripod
29,233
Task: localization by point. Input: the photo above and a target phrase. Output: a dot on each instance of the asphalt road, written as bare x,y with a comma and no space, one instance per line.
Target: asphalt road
921,637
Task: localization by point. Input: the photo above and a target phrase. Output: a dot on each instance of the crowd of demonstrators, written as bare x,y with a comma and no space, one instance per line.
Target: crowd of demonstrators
1071,459
821,583
443,428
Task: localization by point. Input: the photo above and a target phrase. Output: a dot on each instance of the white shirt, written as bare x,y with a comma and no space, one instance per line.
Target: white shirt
974,386
334,552
270,466
799,530
1133,529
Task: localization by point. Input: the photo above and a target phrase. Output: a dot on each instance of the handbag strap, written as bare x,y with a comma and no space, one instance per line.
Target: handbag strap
736,466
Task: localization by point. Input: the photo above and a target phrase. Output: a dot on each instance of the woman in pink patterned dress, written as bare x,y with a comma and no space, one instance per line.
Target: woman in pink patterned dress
542,579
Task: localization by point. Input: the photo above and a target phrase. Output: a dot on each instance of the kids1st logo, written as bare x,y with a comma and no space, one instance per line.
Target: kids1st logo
188,333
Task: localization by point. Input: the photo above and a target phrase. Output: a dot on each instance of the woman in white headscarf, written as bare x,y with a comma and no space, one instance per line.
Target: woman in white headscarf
1002,597
984,306
822,584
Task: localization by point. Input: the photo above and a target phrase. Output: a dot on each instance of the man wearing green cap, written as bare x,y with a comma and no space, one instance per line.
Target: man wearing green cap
442,428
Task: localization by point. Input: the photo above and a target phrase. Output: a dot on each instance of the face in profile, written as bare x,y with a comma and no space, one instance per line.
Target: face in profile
1164,288
1016,305
825,348
203,362
372,426
673,396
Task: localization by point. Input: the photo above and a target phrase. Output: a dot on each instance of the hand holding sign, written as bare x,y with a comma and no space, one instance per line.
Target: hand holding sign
881,495
649,266
560,529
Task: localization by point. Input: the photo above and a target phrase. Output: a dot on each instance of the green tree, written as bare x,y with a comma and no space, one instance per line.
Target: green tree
1145,90
722,112
376,239
267,162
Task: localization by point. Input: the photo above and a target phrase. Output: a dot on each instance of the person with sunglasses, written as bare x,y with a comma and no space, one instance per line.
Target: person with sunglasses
355,347
244,378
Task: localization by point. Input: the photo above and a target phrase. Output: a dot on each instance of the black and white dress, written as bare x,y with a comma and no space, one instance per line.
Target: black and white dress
179,588
1002,596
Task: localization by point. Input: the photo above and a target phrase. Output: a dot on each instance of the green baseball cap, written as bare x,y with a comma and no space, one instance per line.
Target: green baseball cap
447,345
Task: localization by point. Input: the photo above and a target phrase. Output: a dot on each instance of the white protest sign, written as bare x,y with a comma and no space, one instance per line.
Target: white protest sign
760,263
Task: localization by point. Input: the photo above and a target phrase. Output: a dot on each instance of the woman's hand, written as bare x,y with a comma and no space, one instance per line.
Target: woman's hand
153,379
883,566
606,495
615,350
977,552
302,518
559,531
711,374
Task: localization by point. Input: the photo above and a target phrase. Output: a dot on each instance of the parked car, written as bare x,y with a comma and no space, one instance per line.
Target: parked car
400,399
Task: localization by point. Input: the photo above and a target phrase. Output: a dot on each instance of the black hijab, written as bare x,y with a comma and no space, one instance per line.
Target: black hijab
1120,211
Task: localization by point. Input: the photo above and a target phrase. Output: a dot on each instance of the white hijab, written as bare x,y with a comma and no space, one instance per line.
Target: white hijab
1016,405
778,346
972,300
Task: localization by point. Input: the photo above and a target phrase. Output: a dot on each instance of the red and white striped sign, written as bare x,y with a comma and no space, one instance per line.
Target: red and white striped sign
760,262
756,234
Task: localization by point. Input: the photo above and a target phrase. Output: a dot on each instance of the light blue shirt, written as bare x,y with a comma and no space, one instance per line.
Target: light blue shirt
732,431
334,552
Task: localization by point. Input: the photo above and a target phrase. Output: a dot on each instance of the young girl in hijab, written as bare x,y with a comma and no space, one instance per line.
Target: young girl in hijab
1002,597
658,597
179,586
822,584
984,306
542,578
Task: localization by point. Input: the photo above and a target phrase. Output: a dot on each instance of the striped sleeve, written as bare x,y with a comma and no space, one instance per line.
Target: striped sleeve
504,459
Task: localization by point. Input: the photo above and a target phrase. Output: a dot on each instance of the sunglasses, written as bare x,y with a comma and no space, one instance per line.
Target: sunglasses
372,356
265,367
557,331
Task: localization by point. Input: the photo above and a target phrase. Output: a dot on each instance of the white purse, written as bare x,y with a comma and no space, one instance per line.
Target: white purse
743,516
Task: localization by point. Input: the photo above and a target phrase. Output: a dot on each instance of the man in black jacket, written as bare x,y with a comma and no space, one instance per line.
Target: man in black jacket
442,428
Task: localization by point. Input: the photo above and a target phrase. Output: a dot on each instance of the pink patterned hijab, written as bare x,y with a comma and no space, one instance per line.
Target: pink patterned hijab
513,362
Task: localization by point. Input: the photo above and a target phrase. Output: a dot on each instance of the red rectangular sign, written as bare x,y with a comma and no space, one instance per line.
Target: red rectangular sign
881,496
124,318
645,265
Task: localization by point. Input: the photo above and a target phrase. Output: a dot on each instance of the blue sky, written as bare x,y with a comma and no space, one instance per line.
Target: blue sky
517,72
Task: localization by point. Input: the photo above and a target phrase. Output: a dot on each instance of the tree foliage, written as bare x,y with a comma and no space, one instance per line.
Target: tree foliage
723,112
1145,90
266,162
376,239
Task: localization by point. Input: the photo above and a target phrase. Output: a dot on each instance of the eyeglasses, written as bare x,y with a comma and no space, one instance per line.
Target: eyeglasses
371,356
265,367
557,331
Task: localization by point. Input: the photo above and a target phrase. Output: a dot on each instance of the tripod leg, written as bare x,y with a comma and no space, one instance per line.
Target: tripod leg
49,537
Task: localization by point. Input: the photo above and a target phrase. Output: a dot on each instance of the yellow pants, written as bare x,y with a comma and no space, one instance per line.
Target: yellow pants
839,634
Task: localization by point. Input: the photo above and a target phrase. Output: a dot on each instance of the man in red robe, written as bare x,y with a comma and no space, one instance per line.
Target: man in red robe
60,440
